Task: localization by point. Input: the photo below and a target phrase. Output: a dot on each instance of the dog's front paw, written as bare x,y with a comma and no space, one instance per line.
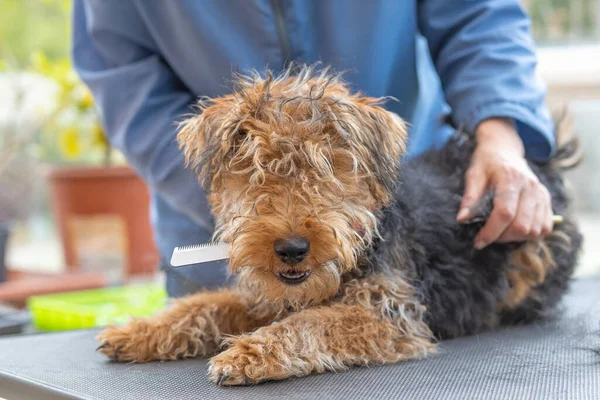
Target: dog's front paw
249,360
131,342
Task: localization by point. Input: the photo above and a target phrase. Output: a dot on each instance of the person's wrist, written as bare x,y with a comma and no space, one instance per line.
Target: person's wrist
499,134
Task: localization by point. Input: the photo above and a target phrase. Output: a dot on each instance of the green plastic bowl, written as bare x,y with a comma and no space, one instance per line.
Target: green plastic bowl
93,308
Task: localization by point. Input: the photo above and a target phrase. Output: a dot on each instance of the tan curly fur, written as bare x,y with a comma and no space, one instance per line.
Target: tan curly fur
532,262
294,155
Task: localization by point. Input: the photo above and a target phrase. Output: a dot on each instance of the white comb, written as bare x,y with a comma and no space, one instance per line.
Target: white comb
199,253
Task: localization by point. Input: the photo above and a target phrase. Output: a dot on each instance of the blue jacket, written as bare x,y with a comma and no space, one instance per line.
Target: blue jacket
147,60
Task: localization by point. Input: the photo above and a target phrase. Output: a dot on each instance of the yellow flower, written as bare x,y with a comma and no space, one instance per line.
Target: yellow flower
70,143
60,71
99,138
40,63
86,100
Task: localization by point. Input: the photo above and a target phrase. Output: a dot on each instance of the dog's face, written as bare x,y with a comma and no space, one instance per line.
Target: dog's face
295,168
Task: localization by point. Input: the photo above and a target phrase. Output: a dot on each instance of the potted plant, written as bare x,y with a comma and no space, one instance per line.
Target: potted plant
86,176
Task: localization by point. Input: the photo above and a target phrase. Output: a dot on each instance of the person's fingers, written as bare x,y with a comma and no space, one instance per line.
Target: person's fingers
537,224
541,215
548,223
523,224
475,185
506,202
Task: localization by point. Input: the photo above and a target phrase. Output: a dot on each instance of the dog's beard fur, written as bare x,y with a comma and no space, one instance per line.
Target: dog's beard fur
335,243
294,156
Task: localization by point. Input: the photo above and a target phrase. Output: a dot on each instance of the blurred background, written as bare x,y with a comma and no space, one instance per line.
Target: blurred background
73,216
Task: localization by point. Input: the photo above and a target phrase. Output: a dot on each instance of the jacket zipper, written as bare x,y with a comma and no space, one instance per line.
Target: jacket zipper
281,32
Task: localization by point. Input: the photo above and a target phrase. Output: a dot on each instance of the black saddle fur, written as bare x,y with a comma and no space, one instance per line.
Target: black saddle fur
461,287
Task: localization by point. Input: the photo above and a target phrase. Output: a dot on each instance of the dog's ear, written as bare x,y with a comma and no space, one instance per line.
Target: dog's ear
206,137
376,136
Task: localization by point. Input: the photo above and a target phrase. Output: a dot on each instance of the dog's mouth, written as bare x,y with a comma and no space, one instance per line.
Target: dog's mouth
293,277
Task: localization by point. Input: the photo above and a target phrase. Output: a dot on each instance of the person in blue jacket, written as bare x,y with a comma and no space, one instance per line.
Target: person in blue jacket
146,62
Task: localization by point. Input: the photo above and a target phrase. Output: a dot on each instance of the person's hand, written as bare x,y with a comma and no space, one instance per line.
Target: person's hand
522,205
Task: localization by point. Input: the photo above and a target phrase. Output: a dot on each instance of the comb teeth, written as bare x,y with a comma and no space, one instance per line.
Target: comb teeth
197,246
199,253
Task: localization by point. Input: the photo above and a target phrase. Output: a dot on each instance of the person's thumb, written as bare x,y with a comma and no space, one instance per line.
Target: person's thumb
475,185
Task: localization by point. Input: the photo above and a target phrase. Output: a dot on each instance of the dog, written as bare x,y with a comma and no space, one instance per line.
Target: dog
346,253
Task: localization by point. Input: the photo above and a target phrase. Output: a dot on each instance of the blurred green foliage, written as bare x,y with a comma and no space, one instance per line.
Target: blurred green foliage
74,133
560,21
27,26
35,37
31,25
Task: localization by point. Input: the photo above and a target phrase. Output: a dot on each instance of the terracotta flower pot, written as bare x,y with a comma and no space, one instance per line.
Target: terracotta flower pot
98,191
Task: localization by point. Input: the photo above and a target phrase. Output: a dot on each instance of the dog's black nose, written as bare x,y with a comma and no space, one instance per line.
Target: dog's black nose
292,251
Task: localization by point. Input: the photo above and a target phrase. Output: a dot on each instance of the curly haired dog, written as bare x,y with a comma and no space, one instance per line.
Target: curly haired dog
345,255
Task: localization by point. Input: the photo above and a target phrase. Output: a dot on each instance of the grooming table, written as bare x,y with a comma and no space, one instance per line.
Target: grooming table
554,360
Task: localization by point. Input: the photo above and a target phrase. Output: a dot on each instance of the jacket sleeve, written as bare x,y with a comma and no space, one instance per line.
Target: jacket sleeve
484,54
139,97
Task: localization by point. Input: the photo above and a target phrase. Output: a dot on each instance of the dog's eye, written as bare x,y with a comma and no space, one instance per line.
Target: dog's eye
238,138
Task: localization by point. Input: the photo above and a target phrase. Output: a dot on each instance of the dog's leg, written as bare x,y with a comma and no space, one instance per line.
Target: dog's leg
534,261
192,326
319,339
531,263
539,274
